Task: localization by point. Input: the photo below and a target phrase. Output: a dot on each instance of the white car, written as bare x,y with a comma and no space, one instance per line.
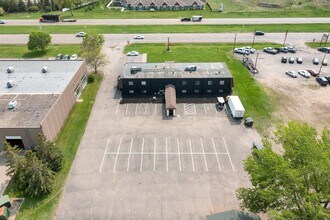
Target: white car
304,73
139,37
325,62
249,49
291,73
240,51
80,34
133,53
74,57
2,22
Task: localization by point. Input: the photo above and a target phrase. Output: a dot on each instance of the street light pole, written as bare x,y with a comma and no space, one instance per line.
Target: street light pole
255,65
286,34
254,36
234,42
318,75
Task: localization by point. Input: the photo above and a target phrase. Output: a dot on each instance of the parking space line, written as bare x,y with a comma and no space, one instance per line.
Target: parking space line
129,156
178,141
206,167
127,108
117,108
142,155
155,154
136,107
192,156
205,109
114,165
105,151
146,108
231,163
155,111
166,156
216,154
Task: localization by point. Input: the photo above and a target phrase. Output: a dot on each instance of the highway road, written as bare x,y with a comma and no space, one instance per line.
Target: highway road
112,39
176,21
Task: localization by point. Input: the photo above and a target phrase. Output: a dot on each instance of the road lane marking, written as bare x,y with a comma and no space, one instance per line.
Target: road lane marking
105,151
114,166
146,108
117,108
231,163
127,108
129,155
205,109
142,155
206,167
136,107
178,141
155,154
216,154
192,156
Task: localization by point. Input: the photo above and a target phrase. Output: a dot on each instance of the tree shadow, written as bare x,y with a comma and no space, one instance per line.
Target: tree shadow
35,54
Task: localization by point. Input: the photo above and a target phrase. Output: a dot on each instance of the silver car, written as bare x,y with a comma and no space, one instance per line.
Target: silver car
304,73
291,73
133,53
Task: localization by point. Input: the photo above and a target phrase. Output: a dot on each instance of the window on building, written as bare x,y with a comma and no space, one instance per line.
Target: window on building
220,90
209,83
184,91
84,81
184,83
222,82
77,92
209,91
144,91
131,91
197,83
196,90
143,83
130,83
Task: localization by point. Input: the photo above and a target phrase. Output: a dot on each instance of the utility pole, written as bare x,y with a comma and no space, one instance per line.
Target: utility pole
318,75
168,43
234,42
255,64
254,37
326,40
286,34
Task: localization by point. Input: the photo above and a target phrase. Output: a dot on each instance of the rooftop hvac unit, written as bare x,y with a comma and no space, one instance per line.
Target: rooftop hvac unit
10,69
10,83
135,69
12,104
45,69
190,68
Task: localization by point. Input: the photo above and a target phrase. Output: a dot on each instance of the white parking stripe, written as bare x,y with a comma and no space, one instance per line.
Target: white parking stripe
114,166
231,163
155,154
178,141
206,167
142,155
136,107
105,151
205,109
216,155
155,111
117,108
192,156
129,156
146,108
163,153
127,108
166,156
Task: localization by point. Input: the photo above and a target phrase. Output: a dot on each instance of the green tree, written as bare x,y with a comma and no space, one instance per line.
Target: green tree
29,4
12,6
48,153
91,50
68,4
13,160
39,41
294,185
21,6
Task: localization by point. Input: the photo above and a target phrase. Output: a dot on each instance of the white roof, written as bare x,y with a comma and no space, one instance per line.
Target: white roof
236,102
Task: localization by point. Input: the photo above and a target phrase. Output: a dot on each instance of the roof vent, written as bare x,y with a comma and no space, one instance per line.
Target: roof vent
135,69
10,69
190,68
45,69
12,104
10,83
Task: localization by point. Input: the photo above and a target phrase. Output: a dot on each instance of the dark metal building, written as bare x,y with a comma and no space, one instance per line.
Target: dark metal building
193,82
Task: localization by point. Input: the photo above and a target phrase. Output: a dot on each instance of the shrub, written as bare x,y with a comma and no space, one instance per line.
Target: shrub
2,12
91,78
33,9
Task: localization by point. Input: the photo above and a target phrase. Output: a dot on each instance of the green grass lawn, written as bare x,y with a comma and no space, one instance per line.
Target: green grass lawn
256,100
68,140
21,51
131,29
317,44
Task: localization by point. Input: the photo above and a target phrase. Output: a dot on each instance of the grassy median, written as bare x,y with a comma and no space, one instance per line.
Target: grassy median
68,140
132,29
257,101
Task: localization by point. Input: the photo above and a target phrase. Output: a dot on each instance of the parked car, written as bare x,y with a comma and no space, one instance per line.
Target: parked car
66,57
312,72
328,78
284,59
282,49
322,81
249,49
291,49
139,37
291,73
324,49
2,22
80,34
59,57
240,51
325,62
304,73
133,53
186,19
259,33
299,60
291,60
257,146
270,50
74,57
316,61
248,121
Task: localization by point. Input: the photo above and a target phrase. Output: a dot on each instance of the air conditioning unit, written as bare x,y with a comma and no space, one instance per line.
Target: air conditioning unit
10,83
12,104
45,69
135,69
10,69
190,68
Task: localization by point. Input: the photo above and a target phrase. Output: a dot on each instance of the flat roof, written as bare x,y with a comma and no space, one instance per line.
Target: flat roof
177,70
29,112
29,79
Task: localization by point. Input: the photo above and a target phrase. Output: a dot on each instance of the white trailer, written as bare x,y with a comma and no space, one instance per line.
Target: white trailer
236,108
197,18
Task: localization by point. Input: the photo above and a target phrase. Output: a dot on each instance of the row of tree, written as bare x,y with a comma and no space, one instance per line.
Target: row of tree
34,170
11,6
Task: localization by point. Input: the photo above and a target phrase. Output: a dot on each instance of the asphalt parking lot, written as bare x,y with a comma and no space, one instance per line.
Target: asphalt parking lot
135,163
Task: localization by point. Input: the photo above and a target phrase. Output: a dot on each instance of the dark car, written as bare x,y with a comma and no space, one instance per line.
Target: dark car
248,121
312,72
291,60
299,60
328,78
284,60
291,49
259,33
322,81
185,19
59,57
282,49
324,49
316,61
